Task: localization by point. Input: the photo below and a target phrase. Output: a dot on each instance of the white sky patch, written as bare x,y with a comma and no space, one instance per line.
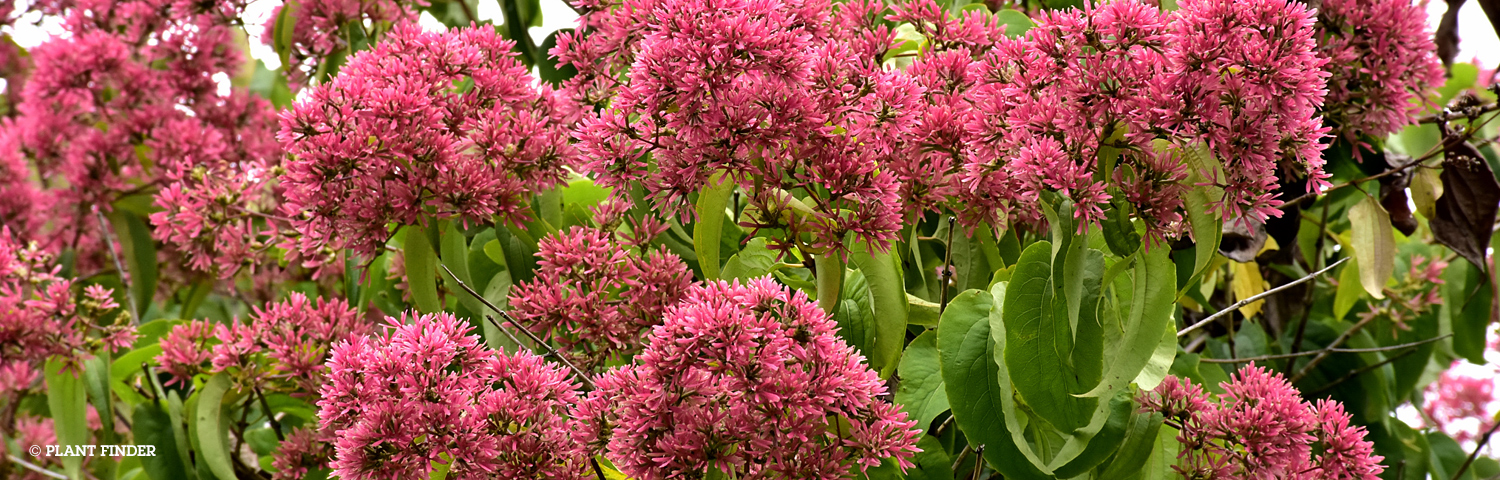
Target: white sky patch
1476,37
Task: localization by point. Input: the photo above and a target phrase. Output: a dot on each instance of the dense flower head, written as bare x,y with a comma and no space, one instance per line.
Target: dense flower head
596,298
748,378
320,29
1261,428
1080,82
1381,64
43,314
424,124
304,449
1462,401
1249,82
767,92
284,345
424,391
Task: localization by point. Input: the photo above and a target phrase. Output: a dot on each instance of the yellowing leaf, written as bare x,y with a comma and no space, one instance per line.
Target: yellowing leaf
1247,282
1426,187
1374,244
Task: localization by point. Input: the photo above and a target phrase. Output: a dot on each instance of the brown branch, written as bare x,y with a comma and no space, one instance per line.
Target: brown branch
1468,461
1256,297
1263,358
1323,354
550,352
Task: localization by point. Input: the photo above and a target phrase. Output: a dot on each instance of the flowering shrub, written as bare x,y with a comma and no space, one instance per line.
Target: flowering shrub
746,239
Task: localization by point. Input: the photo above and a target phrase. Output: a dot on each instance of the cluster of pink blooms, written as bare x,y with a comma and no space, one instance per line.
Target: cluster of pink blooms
424,124
41,314
1381,62
425,392
128,103
1261,428
595,298
1462,400
749,379
1417,293
776,95
322,29
282,347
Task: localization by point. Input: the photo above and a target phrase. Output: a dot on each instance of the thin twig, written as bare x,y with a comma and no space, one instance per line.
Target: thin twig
36,468
512,321
1323,354
1263,358
275,425
1350,376
1475,453
1447,115
109,244
1255,297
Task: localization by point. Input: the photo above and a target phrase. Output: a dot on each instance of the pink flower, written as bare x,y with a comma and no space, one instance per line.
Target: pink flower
304,449
323,28
41,316
425,392
747,378
425,124
1381,64
1261,428
596,298
1249,82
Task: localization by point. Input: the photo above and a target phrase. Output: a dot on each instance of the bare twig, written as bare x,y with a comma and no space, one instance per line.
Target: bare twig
1252,299
1323,354
1448,115
550,352
36,468
1263,358
1477,448
1350,376
109,244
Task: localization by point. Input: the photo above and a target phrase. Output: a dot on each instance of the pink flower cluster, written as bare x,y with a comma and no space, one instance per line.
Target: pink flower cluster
43,314
282,348
322,30
1250,82
753,380
424,392
595,298
1462,400
424,124
130,102
1261,428
1381,62
768,92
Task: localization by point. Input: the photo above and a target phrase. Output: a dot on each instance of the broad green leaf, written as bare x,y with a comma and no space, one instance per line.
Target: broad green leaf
882,272
922,393
1207,227
175,411
1140,443
282,33
1016,23
712,201
972,380
1161,360
1119,233
855,316
1091,445
138,250
1040,344
755,260
497,291
1374,244
68,401
212,448
932,463
96,382
493,250
583,191
1472,320
1447,457
830,277
1349,290
421,270
150,425
921,312
454,253
440,468
200,291
971,267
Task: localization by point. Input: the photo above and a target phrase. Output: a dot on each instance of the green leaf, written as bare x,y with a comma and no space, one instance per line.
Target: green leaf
972,380
830,275
1472,320
212,449
455,255
548,68
1447,457
421,270
440,468
150,425
1207,228
1374,244
282,34
921,312
1152,300
922,393
753,261
96,381
1016,23
855,316
139,252
1161,360
932,463
1349,291
1039,344
882,272
1091,445
496,292
1119,233
68,401
712,202
1137,448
